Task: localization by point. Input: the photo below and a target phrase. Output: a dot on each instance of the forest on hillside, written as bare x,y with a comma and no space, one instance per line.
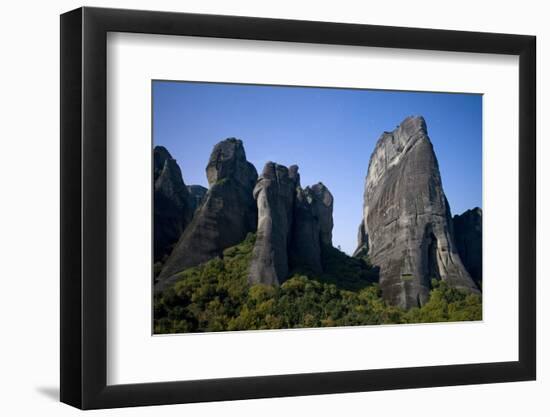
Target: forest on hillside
216,296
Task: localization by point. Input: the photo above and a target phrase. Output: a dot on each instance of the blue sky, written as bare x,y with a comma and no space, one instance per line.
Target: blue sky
328,133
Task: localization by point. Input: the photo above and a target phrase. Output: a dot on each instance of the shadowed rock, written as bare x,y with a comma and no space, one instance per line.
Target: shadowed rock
322,205
172,203
312,228
274,194
226,216
197,194
362,242
305,248
468,238
407,218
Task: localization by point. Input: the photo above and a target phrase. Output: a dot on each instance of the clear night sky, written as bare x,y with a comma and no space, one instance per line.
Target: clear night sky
328,133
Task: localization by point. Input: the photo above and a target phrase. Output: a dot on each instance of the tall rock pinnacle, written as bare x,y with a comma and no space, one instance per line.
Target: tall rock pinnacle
274,194
294,223
172,202
406,218
224,218
322,204
312,227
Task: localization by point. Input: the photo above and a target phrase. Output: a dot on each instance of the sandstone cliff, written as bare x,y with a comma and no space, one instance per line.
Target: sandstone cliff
406,218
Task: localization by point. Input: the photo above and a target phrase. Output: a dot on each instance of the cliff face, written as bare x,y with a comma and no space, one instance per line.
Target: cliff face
227,214
468,238
406,225
172,202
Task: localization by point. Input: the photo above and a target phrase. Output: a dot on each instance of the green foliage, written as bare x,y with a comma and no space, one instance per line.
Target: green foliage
346,272
216,296
446,304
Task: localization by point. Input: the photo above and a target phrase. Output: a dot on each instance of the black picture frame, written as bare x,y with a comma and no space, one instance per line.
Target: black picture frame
84,207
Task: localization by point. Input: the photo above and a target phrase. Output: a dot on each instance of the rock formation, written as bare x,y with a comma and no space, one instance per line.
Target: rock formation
407,220
305,248
227,214
322,204
312,228
274,193
293,225
468,239
197,194
172,203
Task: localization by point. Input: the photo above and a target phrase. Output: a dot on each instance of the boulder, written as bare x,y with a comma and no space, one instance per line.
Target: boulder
406,218
227,214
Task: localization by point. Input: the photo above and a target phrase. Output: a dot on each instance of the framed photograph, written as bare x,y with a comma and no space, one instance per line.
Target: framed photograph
257,208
